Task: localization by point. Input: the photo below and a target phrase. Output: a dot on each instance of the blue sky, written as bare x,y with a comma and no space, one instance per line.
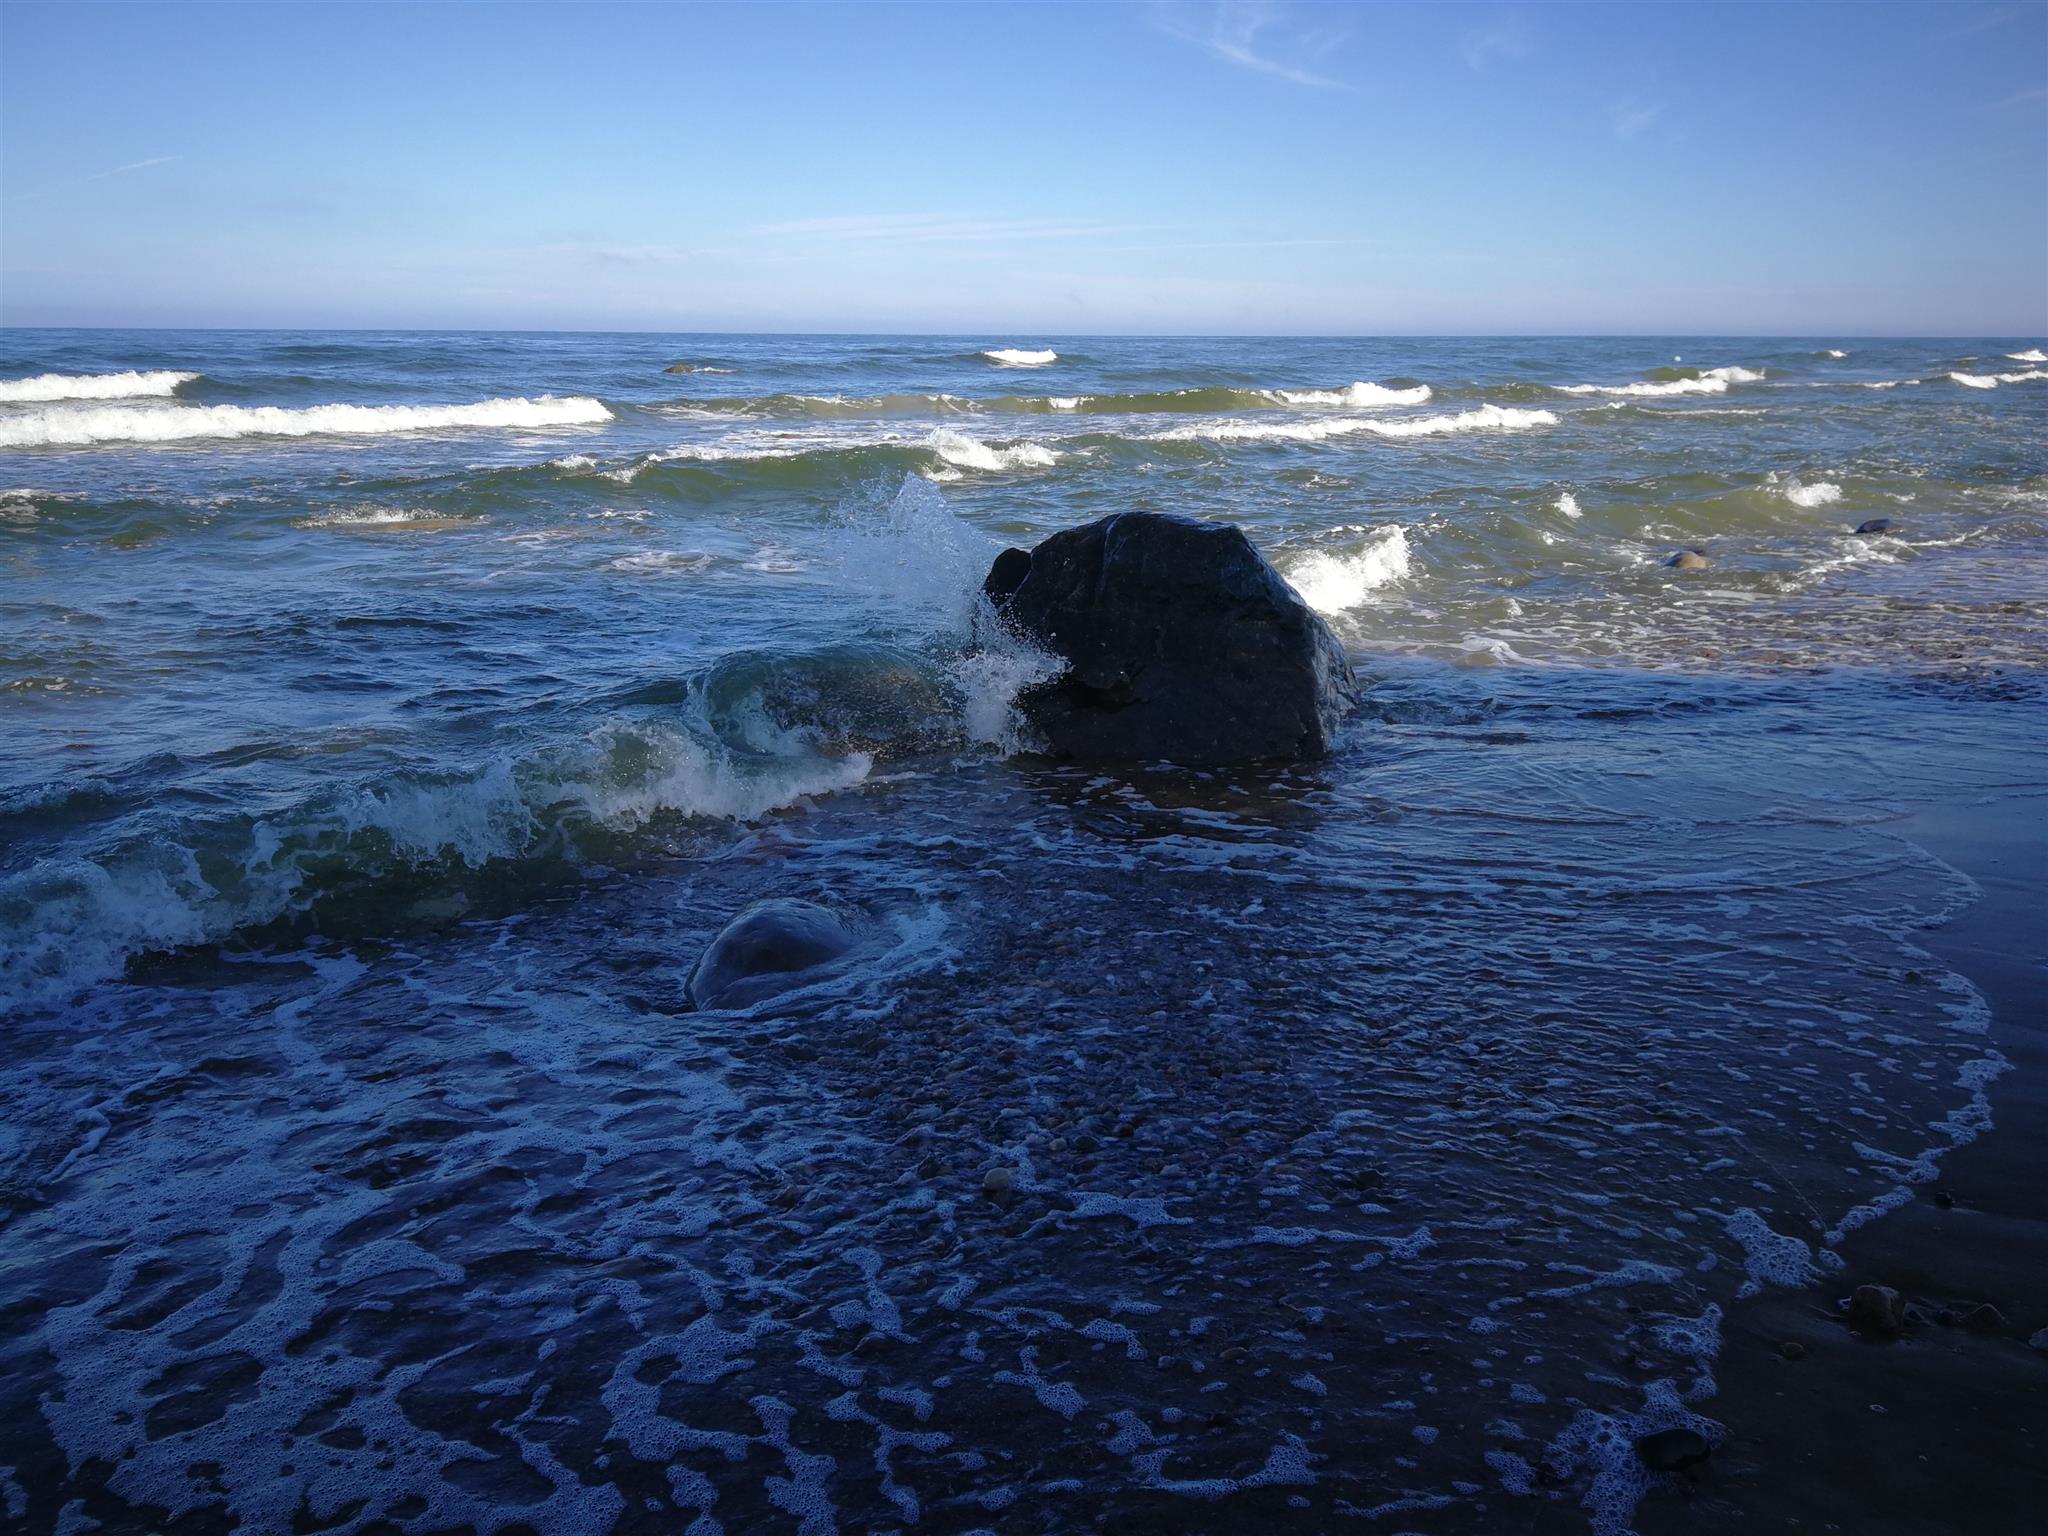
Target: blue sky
1047,168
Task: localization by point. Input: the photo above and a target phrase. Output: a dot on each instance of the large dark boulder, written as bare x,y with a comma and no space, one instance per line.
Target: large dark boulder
769,948
1181,644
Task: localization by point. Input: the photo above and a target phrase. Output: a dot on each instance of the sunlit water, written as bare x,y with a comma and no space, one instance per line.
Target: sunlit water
1383,1137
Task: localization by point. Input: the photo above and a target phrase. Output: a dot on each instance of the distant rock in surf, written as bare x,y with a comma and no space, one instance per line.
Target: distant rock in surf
769,948
1875,525
1181,642
1688,560
680,368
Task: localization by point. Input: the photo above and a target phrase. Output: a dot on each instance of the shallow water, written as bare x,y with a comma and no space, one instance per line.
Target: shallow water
1383,1137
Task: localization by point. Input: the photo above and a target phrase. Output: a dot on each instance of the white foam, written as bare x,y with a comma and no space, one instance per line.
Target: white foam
79,426
2031,355
1330,582
1568,504
1976,380
1833,352
2022,378
92,386
1356,396
1713,381
1065,402
1820,493
1485,418
965,452
1017,357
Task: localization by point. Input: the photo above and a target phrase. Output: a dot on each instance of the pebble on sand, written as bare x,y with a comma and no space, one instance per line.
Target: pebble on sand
1877,1309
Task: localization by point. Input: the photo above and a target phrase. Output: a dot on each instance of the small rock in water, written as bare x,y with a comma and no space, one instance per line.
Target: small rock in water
680,368
1984,1318
1688,560
1944,1199
997,1183
1877,1309
1673,1450
1792,1349
768,948
1875,525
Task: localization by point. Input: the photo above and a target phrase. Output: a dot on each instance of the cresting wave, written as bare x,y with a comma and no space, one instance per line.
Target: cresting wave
1485,418
1711,381
2031,355
82,426
1993,380
1333,581
68,922
1017,357
1354,396
92,386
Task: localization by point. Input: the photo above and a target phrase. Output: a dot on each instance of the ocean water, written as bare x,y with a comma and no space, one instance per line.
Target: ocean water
387,721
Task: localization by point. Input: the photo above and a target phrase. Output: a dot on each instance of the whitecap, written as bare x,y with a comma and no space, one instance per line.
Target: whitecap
1712,381
1820,493
1065,402
1017,357
965,452
1331,582
1355,395
93,386
1568,504
1485,418
2031,355
1976,380
79,426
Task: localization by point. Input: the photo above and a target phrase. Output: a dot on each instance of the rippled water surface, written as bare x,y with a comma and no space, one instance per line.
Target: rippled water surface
390,719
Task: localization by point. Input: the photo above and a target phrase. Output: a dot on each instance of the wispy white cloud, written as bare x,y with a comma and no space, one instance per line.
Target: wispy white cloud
134,165
1635,117
1505,39
2020,98
1256,35
920,228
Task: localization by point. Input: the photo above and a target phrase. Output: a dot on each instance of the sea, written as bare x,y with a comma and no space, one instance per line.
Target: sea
388,721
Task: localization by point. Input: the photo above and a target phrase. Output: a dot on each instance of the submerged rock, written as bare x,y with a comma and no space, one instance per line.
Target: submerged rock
1688,560
768,948
1875,525
1877,1309
1181,643
1674,1450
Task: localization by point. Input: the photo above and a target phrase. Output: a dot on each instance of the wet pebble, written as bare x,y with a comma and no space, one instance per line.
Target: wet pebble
1877,1309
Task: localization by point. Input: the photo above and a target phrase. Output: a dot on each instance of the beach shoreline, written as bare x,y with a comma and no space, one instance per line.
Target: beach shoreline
1945,1427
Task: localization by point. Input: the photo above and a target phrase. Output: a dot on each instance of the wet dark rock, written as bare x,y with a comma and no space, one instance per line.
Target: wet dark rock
680,368
998,1182
1877,1309
769,948
1792,1349
1688,560
1674,1450
1984,1318
1875,525
1181,642
1944,1199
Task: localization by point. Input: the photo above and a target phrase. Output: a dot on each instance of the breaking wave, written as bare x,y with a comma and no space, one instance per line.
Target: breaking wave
2031,355
1331,582
81,426
1355,395
1017,357
1993,380
1710,381
92,386
1485,418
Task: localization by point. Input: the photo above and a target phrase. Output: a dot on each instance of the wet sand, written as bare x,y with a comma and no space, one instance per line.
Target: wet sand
1944,1429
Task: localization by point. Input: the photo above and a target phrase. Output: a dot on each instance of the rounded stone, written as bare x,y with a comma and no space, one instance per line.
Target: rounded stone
769,948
